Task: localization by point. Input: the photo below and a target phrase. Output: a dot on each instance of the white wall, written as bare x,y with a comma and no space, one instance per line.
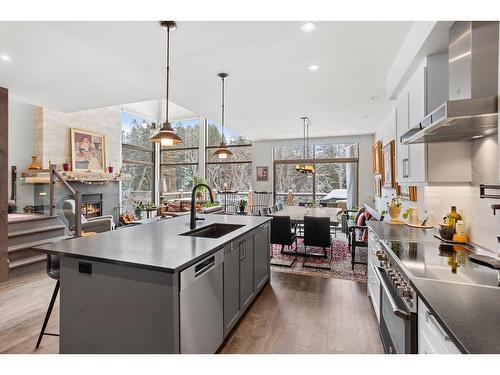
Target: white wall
21,119
263,156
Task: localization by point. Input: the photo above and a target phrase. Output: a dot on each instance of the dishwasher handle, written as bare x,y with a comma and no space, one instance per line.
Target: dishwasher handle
200,269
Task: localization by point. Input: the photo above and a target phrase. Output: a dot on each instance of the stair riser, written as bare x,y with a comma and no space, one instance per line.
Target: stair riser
23,254
30,237
33,224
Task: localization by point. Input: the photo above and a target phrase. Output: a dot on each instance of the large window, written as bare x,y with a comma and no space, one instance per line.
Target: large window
137,159
336,173
234,173
179,164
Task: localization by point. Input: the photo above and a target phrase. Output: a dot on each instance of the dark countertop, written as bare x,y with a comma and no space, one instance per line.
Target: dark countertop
468,313
403,232
156,245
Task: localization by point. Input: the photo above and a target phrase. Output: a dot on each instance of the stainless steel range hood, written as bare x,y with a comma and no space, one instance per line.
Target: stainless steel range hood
472,109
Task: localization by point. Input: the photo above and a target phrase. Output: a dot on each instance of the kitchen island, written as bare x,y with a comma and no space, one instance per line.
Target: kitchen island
160,287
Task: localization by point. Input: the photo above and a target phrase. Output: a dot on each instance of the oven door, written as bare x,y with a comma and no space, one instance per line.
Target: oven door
397,323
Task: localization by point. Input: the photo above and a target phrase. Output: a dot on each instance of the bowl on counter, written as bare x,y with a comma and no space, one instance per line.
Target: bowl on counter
446,232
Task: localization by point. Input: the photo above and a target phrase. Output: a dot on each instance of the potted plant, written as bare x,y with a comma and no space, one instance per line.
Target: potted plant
242,204
394,208
201,190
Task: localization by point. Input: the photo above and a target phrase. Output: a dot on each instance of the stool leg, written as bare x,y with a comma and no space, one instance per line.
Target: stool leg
47,315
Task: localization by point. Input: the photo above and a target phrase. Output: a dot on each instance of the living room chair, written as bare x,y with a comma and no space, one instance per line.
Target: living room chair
98,224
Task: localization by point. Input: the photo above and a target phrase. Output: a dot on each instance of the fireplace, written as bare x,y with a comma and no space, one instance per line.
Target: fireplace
91,205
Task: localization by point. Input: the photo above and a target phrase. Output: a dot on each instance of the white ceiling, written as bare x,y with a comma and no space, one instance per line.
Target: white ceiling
70,66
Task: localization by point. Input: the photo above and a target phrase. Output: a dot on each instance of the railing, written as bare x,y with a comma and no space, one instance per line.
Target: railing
54,177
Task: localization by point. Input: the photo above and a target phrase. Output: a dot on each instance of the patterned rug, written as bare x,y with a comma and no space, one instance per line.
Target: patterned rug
337,265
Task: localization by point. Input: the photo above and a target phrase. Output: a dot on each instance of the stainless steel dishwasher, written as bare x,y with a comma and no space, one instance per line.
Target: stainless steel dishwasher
201,305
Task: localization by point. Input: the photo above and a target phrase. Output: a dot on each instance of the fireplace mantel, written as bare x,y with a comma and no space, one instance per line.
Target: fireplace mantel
42,176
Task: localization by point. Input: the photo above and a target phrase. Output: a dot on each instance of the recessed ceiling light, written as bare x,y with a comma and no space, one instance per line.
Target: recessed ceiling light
308,27
4,58
478,136
314,67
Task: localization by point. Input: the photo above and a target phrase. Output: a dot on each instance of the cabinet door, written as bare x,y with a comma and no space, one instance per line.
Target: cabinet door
246,272
261,256
416,170
231,286
401,149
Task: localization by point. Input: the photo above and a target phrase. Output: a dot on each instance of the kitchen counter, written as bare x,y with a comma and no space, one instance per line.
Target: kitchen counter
468,313
157,245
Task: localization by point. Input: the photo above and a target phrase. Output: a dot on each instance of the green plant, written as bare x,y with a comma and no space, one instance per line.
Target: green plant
396,201
142,205
210,204
243,203
199,180
406,213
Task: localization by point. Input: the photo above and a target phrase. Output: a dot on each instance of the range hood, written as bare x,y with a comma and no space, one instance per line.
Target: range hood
472,109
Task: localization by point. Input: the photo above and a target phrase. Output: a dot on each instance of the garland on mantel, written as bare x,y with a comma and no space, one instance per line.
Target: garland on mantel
95,178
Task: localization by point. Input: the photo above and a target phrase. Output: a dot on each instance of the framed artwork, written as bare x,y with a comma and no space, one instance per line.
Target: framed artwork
88,150
389,179
262,173
377,187
377,165
407,192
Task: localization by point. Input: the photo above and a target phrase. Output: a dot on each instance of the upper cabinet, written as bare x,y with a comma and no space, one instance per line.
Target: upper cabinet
423,164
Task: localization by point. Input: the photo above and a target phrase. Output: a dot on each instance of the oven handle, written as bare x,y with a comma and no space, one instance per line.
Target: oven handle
395,309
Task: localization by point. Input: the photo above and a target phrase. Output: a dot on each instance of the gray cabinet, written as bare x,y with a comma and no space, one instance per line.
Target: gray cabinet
246,271
261,256
231,286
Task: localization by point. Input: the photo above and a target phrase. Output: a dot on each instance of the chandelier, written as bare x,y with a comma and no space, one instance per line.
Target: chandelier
305,168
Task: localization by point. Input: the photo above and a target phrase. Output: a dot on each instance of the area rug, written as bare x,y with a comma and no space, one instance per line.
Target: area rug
337,265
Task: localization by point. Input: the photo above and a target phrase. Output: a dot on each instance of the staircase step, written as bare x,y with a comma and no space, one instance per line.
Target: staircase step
27,261
38,221
36,230
29,245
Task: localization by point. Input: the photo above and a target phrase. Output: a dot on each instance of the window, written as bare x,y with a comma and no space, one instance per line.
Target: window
137,159
234,173
179,163
336,173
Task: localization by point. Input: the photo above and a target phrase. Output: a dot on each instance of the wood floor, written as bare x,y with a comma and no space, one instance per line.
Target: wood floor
294,314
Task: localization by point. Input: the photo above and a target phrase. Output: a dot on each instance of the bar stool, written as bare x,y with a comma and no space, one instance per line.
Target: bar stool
53,267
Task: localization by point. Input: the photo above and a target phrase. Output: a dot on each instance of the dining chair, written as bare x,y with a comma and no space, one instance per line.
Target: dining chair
317,233
274,209
53,268
260,199
266,211
281,232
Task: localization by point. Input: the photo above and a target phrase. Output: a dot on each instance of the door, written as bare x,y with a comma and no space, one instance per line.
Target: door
261,256
246,271
231,286
401,149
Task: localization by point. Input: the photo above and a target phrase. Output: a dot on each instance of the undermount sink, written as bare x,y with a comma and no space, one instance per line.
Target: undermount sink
215,230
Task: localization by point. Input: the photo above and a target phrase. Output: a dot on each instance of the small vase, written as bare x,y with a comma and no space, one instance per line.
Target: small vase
34,164
110,169
394,212
66,167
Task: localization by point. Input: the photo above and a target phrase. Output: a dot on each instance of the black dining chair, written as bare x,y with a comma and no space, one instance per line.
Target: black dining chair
317,233
53,268
274,209
281,232
266,211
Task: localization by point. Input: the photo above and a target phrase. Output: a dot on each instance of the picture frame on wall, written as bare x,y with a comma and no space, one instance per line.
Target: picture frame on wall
377,186
407,192
389,179
262,173
377,165
88,150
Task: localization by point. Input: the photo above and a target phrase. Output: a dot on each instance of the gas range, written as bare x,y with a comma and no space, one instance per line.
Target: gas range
441,261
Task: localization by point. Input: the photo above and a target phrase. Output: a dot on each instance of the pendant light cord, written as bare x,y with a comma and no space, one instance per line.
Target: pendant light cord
168,74
222,115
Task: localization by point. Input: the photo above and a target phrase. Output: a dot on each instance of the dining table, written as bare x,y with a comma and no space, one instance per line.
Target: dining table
297,213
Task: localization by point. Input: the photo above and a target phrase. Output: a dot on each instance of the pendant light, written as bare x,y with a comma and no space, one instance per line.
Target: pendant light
222,151
305,168
166,135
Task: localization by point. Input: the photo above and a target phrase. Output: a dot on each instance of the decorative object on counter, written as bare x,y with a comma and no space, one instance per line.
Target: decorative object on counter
452,217
394,209
34,163
66,166
389,180
414,220
242,204
88,151
262,173
377,166
407,192
166,135
446,231
305,168
460,233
